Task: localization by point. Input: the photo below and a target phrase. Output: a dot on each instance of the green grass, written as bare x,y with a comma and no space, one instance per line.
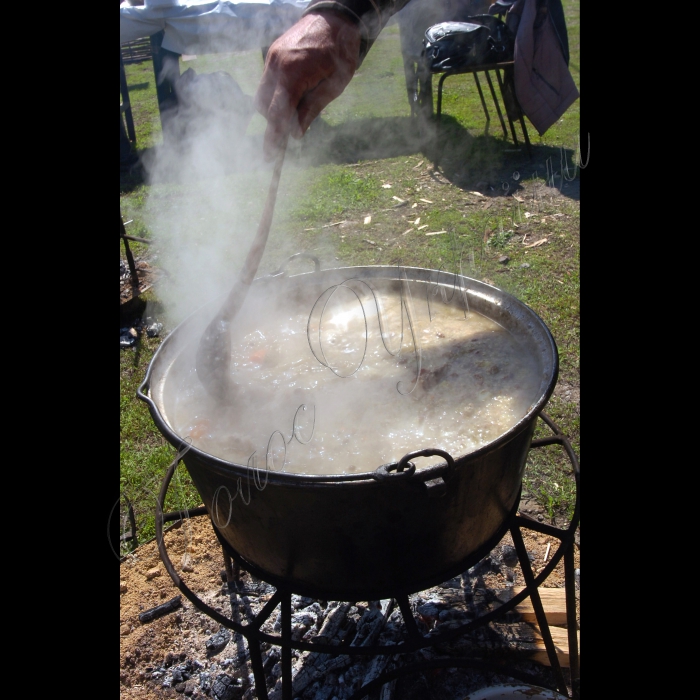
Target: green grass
364,140
144,453
339,192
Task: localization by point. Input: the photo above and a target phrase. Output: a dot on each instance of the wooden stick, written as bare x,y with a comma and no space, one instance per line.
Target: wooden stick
138,240
213,359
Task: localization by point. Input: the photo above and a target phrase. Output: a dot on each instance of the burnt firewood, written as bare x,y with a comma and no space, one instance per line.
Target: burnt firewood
348,633
313,668
317,665
218,641
451,596
372,623
376,668
496,639
387,692
160,610
333,622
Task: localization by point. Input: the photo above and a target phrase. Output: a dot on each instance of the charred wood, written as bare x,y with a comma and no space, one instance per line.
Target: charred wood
160,610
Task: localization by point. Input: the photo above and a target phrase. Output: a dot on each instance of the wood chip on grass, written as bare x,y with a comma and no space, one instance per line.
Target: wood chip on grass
435,233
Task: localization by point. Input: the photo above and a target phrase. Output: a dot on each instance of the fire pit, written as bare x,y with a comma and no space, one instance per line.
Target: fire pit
389,529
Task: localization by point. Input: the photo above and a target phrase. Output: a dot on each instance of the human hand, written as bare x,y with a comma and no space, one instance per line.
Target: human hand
306,68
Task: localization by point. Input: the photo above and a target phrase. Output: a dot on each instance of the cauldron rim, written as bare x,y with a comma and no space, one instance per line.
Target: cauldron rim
293,478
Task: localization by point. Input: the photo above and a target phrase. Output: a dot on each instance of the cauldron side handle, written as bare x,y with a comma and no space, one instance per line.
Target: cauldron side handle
283,267
142,393
405,469
144,387
177,442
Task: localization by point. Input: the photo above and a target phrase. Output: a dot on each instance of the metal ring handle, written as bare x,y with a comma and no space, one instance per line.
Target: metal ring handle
405,468
402,472
450,466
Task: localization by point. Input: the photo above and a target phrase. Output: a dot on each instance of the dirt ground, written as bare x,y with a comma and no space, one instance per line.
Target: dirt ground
180,635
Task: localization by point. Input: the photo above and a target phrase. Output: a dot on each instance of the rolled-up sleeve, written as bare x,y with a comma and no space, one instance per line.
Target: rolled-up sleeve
370,15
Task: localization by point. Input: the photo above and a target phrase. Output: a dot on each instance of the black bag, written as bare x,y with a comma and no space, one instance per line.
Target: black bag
480,40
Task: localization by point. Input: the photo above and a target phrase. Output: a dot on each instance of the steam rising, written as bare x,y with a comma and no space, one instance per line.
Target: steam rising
208,186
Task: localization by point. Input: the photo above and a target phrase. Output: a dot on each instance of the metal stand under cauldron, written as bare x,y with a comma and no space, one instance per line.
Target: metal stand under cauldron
414,639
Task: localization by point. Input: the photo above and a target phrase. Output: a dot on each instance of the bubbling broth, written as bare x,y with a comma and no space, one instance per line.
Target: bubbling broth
366,377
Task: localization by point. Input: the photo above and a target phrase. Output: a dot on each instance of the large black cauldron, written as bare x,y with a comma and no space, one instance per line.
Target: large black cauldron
392,529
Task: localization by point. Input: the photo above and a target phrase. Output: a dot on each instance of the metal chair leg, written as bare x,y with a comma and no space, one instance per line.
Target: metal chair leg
510,121
483,102
439,95
440,141
495,101
525,136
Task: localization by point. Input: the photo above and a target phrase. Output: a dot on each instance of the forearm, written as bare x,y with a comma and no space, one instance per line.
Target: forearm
370,15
